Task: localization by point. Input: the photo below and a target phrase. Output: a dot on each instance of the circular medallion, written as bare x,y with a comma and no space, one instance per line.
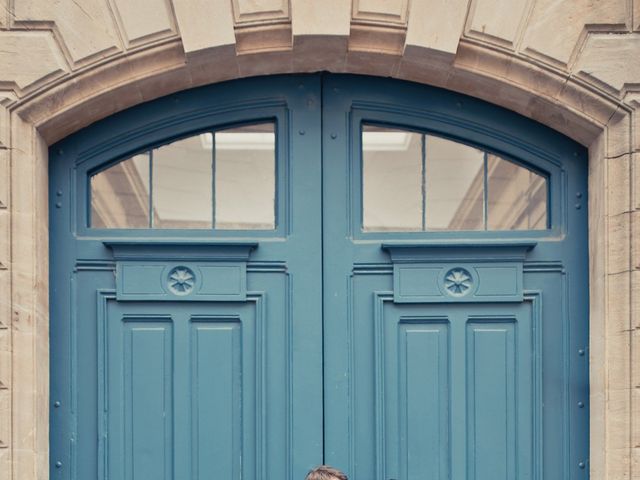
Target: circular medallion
181,280
458,281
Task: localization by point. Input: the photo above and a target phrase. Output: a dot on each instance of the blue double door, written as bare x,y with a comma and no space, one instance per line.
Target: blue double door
389,352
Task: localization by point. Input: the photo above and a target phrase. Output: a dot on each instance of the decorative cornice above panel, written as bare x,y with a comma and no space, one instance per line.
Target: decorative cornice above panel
477,250
181,271
130,250
458,272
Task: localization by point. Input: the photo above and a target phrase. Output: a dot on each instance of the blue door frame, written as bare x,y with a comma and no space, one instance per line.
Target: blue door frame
320,354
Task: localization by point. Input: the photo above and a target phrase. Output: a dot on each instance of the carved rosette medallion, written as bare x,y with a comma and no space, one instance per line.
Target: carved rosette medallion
181,280
458,281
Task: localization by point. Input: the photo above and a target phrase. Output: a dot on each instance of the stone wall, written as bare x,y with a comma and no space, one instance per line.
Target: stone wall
573,65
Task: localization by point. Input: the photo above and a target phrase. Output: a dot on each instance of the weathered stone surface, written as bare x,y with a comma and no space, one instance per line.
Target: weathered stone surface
436,25
86,28
635,167
252,11
144,20
499,21
619,187
5,173
194,20
619,243
381,11
555,26
611,60
43,62
330,17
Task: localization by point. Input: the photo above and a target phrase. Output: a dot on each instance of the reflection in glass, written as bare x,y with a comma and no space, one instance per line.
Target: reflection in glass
120,195
418,182
392,180
185,184
454,185
517,197
245,178
182,178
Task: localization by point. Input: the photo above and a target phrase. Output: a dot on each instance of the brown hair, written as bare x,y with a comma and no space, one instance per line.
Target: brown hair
325,472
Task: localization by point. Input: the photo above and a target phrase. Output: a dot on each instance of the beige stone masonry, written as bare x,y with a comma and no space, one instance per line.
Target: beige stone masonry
573,65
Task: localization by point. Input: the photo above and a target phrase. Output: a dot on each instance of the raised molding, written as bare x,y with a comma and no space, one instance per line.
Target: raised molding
206,251
458,271
248,12
159,21
382,12
168,271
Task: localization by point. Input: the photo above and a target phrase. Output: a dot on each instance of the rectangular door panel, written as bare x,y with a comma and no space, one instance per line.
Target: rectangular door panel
181,390
146,393
423,390
453,391
216,396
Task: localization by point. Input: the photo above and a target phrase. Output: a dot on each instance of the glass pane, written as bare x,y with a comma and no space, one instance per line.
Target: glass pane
182,180
392,180
245,178
517,197
120,195
454,185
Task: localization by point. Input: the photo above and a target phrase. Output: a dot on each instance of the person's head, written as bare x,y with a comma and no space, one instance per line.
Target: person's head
325,472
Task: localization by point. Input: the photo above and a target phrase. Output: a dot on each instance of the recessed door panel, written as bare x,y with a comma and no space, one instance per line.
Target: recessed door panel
253,278
454,337
183,392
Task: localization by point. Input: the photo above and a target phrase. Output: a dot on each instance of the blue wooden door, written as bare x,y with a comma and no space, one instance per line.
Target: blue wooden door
252,278
186,288
455,288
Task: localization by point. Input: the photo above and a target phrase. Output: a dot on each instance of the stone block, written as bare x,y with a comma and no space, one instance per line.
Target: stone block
265,63
610,60
618,184
635,303
375,39
386,12
87,28
43,62
144,21
497,21
635,243
6,470
263,38
618,331
618,431
619,243
195,18
250,12
329,17
619,133
436,25
554,28
635,185
5,119
371,63
5,173
313,53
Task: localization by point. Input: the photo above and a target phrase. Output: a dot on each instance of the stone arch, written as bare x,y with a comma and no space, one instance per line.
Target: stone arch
555,62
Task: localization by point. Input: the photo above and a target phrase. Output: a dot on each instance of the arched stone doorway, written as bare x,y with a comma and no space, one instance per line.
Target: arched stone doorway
579,89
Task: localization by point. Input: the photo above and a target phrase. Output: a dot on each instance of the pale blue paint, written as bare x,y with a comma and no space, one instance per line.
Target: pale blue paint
324,347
